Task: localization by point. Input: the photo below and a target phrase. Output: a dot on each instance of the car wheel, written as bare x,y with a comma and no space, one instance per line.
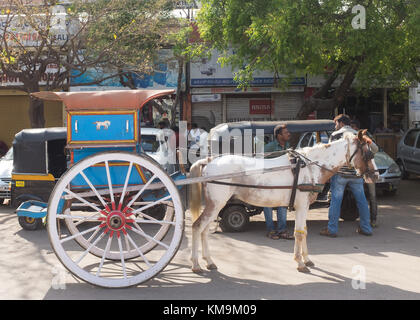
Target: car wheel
404,173
234,219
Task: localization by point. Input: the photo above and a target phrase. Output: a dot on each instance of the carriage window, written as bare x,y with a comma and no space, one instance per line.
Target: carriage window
410,138
149,143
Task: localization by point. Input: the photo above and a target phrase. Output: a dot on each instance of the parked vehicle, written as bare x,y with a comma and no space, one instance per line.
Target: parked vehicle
408,152
39,160
6,167
156,144
236,214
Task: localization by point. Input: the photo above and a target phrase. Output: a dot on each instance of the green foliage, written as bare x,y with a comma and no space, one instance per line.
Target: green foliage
307,36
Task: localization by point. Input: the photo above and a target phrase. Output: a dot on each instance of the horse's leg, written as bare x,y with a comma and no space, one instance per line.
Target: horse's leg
200,227
305,255
205,247
301,249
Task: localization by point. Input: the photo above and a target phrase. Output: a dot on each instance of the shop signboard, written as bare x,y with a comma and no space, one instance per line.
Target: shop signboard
261,106
208,72
164,76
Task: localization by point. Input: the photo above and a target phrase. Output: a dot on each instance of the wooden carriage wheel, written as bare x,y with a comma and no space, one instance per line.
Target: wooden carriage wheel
111,230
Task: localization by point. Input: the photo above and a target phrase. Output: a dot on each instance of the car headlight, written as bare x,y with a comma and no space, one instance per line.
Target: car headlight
394,169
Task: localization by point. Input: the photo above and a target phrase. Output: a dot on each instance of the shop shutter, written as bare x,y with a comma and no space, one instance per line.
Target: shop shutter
287,105
207,114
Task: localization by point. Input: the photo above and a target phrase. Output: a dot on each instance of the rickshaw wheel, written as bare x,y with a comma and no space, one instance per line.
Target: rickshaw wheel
29,223
117,237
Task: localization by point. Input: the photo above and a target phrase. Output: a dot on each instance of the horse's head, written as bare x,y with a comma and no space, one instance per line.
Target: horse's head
361,157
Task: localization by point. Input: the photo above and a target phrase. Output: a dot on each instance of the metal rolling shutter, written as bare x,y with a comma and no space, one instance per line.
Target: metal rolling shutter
205,113
287,105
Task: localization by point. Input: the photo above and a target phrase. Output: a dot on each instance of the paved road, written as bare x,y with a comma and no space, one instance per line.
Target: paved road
251,266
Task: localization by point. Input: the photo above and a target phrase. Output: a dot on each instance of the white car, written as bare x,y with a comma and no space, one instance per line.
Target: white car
6,167
161,146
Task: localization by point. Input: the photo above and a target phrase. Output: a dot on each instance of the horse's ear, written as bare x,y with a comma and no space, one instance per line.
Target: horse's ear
360,134
364,132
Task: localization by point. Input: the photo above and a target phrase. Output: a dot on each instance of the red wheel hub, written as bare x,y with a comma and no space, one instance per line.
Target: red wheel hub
116,220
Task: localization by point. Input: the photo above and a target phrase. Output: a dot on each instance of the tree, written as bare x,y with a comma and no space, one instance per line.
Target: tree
373,41
46,44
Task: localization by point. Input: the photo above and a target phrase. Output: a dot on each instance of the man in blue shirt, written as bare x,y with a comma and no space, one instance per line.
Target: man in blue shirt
280,143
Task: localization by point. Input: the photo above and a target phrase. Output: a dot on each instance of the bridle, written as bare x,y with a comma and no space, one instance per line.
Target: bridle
366,155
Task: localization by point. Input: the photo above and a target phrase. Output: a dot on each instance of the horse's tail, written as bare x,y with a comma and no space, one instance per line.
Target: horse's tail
195,189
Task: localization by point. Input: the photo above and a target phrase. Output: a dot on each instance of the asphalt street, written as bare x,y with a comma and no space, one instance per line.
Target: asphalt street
250,265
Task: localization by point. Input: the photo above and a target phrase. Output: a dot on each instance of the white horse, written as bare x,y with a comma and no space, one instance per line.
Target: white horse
328,158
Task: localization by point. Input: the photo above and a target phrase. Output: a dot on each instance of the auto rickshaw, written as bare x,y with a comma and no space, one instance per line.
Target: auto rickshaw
39,160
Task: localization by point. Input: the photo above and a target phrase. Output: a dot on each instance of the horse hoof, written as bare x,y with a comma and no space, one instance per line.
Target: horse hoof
197,270
303,269
212,267
309,264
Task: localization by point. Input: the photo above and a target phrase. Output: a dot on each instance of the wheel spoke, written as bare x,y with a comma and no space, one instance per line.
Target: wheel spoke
82,200
122,257
111,192
108,245
141,191
90,247
142,233
93,188
79,234
125,185
153,220
138,249
151,205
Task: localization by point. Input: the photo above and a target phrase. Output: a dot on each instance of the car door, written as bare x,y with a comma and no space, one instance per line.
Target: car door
416,156
408,150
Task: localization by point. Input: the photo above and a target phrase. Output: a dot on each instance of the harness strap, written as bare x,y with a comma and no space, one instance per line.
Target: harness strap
302,187
295,181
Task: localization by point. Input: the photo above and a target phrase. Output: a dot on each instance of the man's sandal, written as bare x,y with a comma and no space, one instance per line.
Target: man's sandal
286,235
273,235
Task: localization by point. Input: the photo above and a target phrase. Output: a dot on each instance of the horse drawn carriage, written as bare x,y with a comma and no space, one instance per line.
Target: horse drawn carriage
100,217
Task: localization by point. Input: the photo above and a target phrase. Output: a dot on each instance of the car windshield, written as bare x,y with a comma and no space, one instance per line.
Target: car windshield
149,143
8,155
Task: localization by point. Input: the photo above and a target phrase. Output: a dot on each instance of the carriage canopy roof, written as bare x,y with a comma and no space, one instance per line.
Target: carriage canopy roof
100,100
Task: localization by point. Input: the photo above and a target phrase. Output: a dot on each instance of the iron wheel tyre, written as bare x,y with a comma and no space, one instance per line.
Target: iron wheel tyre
30,224
234,219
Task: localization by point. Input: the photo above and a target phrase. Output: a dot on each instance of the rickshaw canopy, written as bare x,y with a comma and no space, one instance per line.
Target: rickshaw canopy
103,100
293,126
30,154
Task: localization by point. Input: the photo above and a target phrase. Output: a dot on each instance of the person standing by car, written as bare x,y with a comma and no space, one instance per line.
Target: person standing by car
347,176
280,143
355,124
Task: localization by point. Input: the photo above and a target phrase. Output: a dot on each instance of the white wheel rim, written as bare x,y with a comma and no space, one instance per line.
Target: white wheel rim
124,272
